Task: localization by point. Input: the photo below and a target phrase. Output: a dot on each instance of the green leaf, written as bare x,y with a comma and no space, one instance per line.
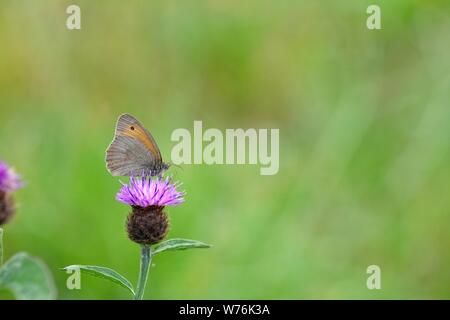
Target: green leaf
104,273
1,246
178,244
28,278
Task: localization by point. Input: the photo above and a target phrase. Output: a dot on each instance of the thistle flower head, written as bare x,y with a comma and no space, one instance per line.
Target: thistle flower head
9,179
145,192
148,223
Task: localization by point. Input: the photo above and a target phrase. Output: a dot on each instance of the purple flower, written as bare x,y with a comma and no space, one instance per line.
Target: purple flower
9,179
145,192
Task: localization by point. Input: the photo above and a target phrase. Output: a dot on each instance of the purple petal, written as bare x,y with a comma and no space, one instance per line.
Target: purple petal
149,191
9,179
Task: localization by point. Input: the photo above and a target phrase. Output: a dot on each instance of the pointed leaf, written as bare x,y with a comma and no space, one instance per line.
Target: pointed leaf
104,273
28,278
178,244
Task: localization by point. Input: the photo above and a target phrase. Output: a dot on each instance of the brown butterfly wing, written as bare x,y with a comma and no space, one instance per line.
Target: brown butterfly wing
133,150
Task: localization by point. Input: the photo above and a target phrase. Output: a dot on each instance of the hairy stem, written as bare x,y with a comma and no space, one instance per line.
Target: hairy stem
146,260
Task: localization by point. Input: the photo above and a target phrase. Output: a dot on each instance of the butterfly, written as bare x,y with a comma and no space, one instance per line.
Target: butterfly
133,152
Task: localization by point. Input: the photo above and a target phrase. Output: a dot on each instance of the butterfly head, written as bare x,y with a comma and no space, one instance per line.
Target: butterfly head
159,170
165,167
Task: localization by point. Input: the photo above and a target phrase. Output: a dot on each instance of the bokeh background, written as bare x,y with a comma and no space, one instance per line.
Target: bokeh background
364,142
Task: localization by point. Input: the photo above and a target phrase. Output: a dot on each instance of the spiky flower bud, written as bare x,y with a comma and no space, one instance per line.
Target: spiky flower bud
7,207
148,223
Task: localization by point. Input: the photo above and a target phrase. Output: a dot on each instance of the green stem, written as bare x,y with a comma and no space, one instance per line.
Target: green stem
146,260
1,246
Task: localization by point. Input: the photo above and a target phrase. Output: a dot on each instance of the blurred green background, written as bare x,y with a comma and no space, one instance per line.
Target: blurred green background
364,120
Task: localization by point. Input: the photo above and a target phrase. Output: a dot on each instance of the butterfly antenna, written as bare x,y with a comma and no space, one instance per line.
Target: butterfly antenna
175,165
